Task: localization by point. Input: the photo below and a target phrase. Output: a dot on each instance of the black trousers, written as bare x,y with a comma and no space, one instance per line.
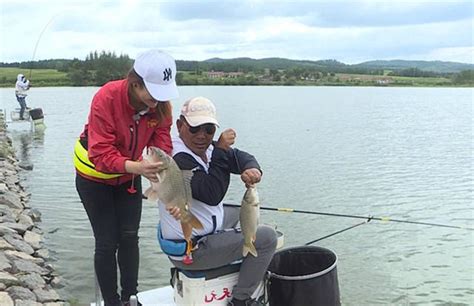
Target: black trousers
115,216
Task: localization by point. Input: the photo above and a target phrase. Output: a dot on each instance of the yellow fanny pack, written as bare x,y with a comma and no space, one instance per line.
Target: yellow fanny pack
85,166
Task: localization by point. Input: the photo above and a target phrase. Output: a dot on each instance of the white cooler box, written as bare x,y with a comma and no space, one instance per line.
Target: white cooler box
209,287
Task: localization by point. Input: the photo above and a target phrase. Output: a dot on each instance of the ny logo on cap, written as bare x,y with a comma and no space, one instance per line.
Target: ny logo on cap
167,74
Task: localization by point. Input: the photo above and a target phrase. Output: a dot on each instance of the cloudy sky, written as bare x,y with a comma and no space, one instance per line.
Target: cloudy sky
351,31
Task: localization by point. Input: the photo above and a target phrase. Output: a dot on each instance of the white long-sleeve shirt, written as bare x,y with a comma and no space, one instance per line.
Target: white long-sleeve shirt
21,86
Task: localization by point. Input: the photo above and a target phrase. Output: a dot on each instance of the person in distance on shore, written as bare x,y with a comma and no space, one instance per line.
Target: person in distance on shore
22,85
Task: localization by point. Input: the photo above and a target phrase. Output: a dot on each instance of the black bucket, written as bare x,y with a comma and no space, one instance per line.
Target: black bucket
36,113
303,276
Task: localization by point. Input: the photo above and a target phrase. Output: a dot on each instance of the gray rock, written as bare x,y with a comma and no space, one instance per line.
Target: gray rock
34,214
57,282
20,293
32,281
4,245
5,218
8,279
37,230
43,253
26,204
33,239
6,211
5,299
46,295
23,193
11,200
22,265
27,303
19,245
25,220
25,165
3,188
11,180
49,267
20,228
12,255
15,212
6,230
7,166
4,263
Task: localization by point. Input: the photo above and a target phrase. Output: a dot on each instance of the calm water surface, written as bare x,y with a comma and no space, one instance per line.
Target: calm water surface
406,153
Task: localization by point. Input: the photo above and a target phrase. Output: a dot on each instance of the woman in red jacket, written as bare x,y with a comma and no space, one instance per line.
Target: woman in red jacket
125,117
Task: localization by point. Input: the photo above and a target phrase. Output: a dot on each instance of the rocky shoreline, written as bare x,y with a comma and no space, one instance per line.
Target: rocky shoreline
26,277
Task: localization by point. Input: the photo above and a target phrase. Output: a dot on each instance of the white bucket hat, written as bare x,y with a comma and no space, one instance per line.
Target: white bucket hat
158,70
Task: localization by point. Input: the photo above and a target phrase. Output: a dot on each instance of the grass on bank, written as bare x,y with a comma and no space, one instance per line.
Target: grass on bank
37,77
386,80
52,77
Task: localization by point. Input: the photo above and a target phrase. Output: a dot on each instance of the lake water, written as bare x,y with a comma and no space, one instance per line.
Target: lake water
406,153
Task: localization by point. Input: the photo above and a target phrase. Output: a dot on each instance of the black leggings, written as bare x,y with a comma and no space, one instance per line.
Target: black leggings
115,215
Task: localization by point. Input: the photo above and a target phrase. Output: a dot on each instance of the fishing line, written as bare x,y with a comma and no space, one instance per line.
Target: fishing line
385,219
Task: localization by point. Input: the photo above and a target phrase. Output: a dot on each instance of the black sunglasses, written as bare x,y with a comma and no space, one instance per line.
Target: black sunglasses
209,128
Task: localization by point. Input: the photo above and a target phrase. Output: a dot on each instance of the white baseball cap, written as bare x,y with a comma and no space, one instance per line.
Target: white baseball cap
198,111
158,71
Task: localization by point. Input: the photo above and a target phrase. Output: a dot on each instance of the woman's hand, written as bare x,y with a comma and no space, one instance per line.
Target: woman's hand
251,177
144,167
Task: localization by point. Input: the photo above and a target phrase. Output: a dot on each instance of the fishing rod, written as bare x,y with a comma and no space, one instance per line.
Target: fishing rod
340,231
38,40
386,219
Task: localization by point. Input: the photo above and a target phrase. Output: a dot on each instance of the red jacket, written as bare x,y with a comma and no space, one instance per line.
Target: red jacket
115,133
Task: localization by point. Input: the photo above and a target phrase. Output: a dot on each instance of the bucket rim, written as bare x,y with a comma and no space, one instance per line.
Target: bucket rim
307,276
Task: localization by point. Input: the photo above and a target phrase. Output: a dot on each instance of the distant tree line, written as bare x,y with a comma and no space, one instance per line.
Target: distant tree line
259,66
464,77
98,68
101,67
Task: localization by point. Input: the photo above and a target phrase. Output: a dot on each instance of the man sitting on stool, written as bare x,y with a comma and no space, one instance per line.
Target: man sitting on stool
212,163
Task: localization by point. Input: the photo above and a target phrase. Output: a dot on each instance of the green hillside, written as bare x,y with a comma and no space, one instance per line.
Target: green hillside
434,66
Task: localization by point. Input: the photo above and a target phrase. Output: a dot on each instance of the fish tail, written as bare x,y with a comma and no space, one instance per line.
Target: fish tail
249,247
187,230
151,194
195,223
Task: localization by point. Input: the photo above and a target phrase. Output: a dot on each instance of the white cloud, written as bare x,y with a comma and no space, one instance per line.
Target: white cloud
457,54
349,31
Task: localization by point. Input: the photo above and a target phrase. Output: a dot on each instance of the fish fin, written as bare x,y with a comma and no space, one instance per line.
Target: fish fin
195,223
187,230
151,194
249,248
161,176
187,176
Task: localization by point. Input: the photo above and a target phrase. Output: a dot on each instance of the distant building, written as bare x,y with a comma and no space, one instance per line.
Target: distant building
384,81
221,74
215,74
234,74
